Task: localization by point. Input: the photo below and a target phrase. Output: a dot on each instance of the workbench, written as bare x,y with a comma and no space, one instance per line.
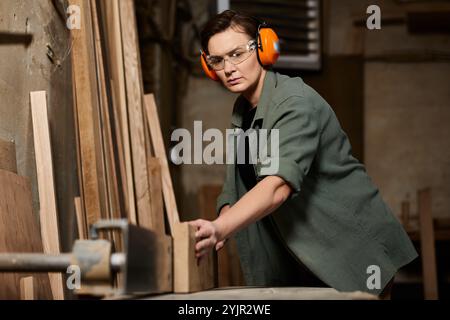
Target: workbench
259,293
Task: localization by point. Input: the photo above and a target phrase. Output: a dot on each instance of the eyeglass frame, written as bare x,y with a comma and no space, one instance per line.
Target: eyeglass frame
251,46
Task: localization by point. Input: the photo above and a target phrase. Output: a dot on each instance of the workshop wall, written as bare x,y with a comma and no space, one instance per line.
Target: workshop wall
43,65
407,102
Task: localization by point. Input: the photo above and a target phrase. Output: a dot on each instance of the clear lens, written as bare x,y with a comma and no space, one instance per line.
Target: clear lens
238,56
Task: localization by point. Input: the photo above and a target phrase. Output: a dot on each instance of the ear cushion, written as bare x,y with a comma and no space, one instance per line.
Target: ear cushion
269,47
210,73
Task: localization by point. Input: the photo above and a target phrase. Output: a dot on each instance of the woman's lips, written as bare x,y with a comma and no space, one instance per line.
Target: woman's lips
234,81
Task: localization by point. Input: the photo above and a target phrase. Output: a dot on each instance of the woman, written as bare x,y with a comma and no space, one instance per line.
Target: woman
318,220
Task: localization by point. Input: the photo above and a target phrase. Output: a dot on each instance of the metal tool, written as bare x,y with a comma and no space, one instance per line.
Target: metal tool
137,264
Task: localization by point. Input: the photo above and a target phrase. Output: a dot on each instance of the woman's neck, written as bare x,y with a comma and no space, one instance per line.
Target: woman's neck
254,93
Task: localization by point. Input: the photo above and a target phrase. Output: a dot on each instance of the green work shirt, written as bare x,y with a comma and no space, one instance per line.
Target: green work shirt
335,222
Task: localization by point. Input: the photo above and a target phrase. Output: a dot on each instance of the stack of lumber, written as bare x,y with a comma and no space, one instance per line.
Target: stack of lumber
123,170
122,161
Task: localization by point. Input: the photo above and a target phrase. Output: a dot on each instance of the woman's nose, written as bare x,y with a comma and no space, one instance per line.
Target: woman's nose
228,67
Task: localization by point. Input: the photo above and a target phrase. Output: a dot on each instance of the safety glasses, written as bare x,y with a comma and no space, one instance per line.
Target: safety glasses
235,57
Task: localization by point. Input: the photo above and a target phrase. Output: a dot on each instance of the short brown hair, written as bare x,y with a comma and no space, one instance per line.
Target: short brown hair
228,19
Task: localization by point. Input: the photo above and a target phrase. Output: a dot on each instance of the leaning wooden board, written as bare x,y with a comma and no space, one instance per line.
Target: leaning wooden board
46,186
113,198
160,152
135,90
189,275
19,232
27,289
86,105
110,10
155,220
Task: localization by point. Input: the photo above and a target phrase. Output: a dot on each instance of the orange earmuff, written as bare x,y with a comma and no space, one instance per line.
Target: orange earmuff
268,46
207,69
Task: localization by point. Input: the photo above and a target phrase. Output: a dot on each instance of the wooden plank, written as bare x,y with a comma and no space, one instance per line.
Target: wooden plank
19,232
164,264
81,221
86,105
125,169
427,245
45,178
160,152
8,156
46,187
80,210
108,147
27,289
189,275
155,219
134,89
116,65
96,114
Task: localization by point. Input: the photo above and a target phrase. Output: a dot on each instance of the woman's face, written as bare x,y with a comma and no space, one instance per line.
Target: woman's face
243,76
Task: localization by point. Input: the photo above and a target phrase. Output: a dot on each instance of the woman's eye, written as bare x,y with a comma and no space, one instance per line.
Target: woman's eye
214,61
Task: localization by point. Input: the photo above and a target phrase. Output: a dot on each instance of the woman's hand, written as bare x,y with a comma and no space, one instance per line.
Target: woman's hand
263,199
208,236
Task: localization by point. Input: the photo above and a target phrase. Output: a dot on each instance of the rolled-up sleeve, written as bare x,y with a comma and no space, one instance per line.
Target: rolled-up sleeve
291,157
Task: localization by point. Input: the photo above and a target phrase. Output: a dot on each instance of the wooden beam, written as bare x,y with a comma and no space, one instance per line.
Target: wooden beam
8,156
99,121
113,202
86,101
190,275
79,163
427,245
116,65
81,220
155,220
124,165
163,257
102,175
46,187
134,87
160,152
27,289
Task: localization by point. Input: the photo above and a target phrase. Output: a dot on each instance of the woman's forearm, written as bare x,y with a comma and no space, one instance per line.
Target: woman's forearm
259,202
